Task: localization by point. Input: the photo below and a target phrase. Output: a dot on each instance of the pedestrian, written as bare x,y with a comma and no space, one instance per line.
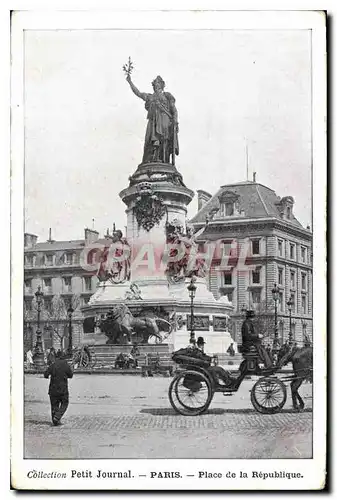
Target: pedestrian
29,358
231,350
59,372
51,356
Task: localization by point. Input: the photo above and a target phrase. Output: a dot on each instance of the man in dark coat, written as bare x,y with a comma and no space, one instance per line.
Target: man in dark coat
252,339
220,375
59,372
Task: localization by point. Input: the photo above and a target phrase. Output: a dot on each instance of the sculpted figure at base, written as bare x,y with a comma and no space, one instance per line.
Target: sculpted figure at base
190,264
161,138
121,327
115,266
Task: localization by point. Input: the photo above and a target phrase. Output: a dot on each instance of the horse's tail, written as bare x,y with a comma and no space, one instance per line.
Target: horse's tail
168,330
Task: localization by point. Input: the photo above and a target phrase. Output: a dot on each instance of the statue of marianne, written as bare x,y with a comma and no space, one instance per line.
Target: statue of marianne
161,138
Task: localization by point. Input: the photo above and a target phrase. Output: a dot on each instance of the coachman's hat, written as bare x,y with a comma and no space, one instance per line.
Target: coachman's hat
201,340
250,313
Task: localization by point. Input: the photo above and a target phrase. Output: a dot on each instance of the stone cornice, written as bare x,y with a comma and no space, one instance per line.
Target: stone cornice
253,225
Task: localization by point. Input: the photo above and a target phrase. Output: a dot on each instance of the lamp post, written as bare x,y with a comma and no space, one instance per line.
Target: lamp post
192,289
38,350
70,343
276,296
290,305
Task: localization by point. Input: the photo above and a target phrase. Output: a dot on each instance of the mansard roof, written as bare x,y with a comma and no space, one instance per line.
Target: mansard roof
253,200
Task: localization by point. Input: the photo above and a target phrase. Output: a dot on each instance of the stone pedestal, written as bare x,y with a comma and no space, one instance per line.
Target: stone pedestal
156,197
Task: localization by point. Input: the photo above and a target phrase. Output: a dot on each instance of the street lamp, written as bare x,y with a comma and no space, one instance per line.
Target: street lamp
38,350
70,343
290,306
192,289
276,296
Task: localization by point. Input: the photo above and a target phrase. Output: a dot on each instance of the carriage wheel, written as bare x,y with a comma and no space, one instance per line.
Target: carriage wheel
268,395
194,400
75,362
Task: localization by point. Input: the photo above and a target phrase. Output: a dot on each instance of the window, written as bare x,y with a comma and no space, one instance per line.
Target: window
28,286
293,300
256,296
281,330
87,284
303,281
280,247
67,284
48,260
227,278
76,258
304,304
256,276
48,305
227,245
292,251
229,209
281,301
69,258
255,247
29,260
292,279
28,305
280,276
47,285
229,295
304,331
303,254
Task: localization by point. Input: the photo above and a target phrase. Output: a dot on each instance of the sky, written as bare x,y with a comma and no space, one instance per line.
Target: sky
84,128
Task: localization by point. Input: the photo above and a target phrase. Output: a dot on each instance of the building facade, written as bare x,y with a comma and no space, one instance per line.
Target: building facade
257,242
252,241
56,267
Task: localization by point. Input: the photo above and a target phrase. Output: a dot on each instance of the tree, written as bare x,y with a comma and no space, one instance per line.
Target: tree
264,320
57,317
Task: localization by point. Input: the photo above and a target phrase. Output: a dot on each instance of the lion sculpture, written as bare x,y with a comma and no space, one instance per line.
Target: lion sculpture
121,327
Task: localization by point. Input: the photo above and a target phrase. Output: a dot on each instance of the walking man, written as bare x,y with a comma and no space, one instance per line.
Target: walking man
59,372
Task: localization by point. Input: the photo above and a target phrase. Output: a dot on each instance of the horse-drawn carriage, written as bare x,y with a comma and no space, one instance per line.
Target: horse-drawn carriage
82,357
193,387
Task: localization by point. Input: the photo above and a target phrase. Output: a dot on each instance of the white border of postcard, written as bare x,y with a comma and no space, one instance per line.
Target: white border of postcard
311,471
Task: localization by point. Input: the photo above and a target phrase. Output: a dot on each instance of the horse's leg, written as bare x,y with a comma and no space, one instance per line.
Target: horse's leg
295,384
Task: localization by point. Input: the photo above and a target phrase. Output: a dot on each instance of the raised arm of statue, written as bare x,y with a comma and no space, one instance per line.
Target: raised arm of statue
134,89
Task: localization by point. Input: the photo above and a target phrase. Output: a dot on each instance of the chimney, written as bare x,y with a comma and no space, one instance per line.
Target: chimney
30,240
203,198
107,235
50,238
254,176
90,235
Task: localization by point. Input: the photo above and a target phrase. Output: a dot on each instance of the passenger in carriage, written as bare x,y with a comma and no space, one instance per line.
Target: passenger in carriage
218,372
252,339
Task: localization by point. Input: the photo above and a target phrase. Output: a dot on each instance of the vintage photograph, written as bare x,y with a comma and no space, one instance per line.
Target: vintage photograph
167,293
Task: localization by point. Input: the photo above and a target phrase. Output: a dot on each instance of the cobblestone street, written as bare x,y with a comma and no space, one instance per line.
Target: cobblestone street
131,417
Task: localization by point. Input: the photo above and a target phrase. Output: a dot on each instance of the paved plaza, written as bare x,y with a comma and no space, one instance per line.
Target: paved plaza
123,416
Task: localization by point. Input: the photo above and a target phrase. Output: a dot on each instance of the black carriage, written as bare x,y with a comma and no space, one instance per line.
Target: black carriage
193,387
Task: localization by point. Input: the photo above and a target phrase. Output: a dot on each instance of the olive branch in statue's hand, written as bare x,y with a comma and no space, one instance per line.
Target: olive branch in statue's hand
127,68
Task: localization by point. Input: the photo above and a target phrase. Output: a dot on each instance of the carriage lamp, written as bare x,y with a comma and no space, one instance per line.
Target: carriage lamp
276,296
290,308
192,290
70,317
38,350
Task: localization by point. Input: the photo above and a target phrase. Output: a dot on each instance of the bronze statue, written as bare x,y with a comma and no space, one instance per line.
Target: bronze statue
120,269
190,264
121,327
161,138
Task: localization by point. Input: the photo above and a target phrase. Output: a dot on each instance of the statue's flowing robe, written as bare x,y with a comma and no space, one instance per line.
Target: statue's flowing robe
161,116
